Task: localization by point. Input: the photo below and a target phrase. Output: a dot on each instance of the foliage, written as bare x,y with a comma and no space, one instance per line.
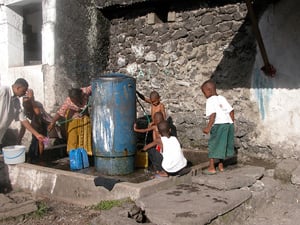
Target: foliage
108,204
42,209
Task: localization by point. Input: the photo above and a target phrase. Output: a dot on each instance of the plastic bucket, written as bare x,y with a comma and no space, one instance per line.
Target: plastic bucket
14,154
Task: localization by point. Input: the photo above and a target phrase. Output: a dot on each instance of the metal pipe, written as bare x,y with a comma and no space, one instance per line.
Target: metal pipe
268,69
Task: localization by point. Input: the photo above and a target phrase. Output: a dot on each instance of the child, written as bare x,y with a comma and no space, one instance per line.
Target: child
40,119
220,126
75,110
154,158
156,105
158,117
173,160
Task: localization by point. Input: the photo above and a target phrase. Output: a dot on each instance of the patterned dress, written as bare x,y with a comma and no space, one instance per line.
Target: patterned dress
79,131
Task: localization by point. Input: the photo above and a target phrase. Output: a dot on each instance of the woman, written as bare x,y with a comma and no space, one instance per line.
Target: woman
75,111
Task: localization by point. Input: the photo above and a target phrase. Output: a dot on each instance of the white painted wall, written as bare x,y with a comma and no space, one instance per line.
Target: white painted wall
3,43
12,53
278,97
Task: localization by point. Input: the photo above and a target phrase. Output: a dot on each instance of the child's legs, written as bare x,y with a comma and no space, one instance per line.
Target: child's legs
211,165
156,159
33,148
41,148
217,143
221,165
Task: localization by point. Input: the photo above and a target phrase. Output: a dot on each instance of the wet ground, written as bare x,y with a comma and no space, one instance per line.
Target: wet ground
58,159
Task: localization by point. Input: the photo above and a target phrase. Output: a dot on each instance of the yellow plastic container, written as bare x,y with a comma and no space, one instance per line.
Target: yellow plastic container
141,159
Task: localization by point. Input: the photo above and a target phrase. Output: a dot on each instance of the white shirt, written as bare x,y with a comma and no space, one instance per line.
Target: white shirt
219,105
173,158
10,109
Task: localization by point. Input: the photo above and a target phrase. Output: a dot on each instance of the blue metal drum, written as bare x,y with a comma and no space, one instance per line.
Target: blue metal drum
113,115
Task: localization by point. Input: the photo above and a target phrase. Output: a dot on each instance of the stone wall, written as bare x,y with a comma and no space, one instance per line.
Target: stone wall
175,54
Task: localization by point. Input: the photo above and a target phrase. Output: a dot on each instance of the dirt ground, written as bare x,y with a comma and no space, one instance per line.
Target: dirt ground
53,212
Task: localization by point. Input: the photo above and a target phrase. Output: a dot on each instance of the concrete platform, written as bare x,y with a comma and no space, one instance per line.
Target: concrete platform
79,188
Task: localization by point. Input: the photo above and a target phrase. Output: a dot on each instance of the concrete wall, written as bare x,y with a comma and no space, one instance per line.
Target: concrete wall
277,98
81,45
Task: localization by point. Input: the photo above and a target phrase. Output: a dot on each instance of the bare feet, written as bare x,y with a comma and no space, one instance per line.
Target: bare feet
221,167
162,173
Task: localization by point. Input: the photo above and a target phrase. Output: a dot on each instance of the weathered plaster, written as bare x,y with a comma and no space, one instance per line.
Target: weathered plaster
277,98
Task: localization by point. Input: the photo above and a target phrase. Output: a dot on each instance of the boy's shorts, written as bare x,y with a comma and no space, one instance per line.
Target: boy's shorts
221,141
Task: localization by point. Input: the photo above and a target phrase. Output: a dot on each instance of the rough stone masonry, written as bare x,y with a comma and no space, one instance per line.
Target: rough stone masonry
175,56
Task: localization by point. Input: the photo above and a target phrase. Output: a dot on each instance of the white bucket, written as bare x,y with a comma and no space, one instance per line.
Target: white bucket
14,154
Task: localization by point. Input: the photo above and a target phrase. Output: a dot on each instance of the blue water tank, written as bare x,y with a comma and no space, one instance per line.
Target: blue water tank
113,115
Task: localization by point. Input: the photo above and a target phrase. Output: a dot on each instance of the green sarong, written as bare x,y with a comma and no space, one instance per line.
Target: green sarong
221,141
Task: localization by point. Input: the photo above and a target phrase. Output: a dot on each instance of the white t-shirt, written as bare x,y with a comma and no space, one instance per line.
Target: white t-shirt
173,158
219,105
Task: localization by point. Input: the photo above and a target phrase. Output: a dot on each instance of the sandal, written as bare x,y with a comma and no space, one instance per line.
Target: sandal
207,172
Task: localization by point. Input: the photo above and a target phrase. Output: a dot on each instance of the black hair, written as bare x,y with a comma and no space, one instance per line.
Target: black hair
163,127
154,94
21,82
210,82
75,93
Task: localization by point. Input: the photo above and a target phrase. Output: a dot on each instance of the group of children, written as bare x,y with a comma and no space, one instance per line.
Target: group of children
165,152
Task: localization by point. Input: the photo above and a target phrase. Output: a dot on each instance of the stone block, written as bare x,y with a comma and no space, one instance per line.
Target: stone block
284,169
171,16
295,179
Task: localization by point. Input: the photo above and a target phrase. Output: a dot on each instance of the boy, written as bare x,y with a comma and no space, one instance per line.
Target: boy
10,108
173,160
220,126
154,158
156,105
158,117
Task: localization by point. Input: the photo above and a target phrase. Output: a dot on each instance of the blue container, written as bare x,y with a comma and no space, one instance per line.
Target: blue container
113,115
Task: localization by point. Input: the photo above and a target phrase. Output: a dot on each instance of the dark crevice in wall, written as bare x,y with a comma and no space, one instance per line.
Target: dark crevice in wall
129,10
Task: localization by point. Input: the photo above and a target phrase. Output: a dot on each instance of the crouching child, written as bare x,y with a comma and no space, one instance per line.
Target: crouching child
173,160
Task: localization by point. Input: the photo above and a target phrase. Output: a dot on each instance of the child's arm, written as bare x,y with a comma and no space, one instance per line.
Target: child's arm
142,130
153,144
232,115
143,97
53,122
211,121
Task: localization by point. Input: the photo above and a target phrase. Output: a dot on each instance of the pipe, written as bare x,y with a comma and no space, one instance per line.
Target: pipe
268,69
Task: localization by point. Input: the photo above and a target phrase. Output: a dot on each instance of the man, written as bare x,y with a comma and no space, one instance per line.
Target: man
10,108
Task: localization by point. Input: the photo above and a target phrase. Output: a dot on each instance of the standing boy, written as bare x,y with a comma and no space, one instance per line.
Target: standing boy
220,127
10,108
156,105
